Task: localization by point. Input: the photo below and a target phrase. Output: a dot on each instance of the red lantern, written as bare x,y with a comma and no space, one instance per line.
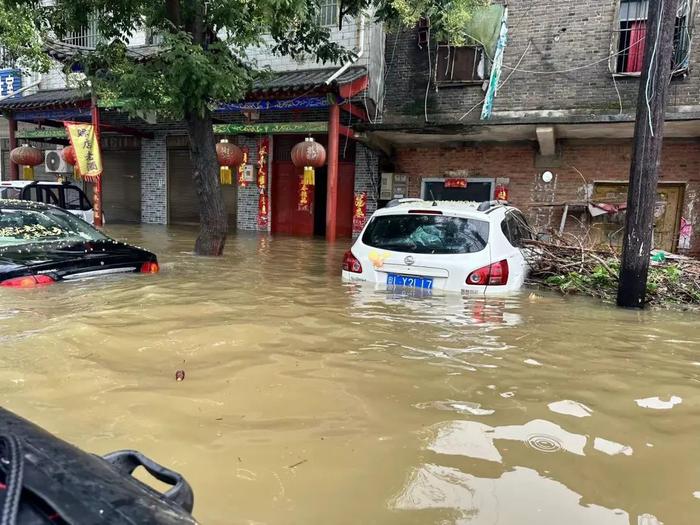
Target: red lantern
228,155
27,156
501,193
309,155
69,155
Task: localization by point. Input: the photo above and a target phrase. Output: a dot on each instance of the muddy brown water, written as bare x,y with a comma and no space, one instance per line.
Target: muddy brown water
310,401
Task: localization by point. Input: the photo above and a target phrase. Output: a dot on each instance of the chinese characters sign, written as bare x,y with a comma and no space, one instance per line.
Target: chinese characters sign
359,213
263,204
87,150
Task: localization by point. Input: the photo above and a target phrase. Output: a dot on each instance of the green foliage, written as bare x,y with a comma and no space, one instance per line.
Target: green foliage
203,53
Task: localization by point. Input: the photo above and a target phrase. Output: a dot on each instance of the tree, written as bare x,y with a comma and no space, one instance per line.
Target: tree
202,58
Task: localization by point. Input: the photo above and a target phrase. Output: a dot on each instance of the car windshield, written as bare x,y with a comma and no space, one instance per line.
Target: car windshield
417,233
23,226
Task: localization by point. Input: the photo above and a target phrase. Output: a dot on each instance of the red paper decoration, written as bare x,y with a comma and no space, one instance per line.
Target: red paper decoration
359,214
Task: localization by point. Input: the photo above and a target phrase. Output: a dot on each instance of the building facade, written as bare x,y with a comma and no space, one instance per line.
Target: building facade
557,135
147,169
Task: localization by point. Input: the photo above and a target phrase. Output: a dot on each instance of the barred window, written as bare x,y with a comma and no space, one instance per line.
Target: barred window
86,36
630,33
459,64
328,13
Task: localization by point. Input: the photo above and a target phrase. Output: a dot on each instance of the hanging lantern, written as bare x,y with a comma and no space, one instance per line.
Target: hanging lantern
501,193
27,157
228,155
69,155
309,155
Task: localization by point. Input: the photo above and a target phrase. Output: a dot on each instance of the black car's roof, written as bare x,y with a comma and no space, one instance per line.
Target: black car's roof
26,205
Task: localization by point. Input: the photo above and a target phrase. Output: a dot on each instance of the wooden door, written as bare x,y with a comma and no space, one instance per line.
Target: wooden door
346,195
286,216
609,229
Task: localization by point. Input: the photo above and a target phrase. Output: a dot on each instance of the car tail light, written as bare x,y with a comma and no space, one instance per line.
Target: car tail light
495,274
351,264
28,281
150,267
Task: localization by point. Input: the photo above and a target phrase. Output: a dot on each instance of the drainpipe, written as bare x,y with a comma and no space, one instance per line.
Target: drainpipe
360,51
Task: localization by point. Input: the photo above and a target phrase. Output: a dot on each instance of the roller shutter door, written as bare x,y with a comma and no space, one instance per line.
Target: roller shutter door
121,186
182,196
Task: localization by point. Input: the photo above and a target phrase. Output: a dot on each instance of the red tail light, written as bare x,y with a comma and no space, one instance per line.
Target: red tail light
494,275
150,267
28,281
351,264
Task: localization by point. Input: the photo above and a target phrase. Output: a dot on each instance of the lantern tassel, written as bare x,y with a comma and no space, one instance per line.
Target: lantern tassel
309,176
28,172
225,175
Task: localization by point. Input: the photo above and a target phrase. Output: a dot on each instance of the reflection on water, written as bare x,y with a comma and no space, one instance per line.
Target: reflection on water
311,401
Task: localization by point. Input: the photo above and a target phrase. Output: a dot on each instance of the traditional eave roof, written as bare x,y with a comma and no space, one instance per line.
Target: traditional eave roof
64,52
55,98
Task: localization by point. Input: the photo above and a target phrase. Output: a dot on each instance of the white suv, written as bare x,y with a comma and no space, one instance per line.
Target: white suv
457,246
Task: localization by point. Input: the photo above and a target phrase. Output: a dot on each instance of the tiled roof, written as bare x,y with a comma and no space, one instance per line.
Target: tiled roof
64,52
44,98
307,79
278,82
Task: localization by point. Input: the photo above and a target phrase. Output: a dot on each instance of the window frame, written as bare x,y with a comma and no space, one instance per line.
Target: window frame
328,12
479,55
614,62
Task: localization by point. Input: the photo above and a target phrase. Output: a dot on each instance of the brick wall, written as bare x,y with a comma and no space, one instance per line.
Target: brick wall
582,164
154,180
367,175
561,36
248,197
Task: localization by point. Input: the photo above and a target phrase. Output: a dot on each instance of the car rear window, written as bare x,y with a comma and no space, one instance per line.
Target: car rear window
23,226
416,233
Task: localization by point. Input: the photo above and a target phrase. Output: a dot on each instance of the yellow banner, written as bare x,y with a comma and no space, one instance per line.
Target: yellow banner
88,159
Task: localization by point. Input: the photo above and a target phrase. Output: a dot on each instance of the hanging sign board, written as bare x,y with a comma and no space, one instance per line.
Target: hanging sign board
455,183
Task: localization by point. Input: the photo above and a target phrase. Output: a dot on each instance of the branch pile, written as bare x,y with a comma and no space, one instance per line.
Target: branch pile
568,266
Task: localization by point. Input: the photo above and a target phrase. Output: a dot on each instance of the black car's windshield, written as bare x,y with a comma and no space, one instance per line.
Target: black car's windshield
417,233
22,226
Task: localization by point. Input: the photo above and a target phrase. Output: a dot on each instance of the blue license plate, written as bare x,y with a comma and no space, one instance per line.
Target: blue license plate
410,281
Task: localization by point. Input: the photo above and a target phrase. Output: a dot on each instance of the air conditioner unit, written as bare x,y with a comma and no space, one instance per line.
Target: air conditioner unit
54,162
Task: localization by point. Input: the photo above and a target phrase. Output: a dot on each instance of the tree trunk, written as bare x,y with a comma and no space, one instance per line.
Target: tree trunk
646,155
213,220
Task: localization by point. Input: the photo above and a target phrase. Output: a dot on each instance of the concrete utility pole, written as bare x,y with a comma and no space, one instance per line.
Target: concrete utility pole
646,156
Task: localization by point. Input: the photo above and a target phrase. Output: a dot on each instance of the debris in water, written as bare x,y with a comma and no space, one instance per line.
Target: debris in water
659,404
180,375
299,463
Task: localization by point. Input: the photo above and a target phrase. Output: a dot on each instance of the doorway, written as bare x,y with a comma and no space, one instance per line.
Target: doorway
320,202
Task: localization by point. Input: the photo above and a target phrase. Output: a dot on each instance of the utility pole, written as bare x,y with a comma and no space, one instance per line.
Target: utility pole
646,155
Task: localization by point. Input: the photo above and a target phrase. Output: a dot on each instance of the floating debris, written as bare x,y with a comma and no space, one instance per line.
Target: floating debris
180,375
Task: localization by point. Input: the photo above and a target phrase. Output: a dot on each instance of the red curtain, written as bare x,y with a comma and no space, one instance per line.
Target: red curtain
635,54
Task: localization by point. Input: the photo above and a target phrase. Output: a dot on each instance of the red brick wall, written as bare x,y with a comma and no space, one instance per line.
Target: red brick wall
595,162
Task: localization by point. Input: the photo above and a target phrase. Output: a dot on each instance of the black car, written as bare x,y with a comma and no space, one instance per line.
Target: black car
41,244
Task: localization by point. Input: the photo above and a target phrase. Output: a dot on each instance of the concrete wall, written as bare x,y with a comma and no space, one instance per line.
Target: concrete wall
582,164
549,37
154,180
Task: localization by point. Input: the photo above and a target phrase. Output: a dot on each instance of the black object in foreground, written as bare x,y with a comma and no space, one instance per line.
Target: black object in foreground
44,480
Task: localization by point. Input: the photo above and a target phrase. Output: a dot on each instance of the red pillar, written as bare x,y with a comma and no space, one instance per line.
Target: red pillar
14,168
332,196
97,195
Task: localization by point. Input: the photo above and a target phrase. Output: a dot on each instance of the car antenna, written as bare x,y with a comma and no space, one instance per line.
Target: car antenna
432,197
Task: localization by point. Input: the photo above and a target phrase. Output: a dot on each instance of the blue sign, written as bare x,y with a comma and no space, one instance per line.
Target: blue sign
295,103
10,82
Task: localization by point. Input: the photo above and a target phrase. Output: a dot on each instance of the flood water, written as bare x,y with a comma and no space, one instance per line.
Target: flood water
310,401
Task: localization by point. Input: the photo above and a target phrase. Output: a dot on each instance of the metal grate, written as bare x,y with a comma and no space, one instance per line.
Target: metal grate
87,36
459,64
631,30
328,13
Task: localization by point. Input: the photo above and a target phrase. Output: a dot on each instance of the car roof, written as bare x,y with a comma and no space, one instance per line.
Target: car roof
23,183
472,209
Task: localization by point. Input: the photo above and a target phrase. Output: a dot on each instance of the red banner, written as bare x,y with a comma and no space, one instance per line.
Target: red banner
263,152
455,183
263,210
306,196
241,169
359,213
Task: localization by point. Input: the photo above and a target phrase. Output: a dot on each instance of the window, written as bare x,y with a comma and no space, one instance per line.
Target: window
417,233
631,31
86,36
516,228
328,13
459,64
478,189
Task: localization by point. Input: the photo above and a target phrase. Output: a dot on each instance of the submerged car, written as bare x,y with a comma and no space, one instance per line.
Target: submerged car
41,244
62,194
457,246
